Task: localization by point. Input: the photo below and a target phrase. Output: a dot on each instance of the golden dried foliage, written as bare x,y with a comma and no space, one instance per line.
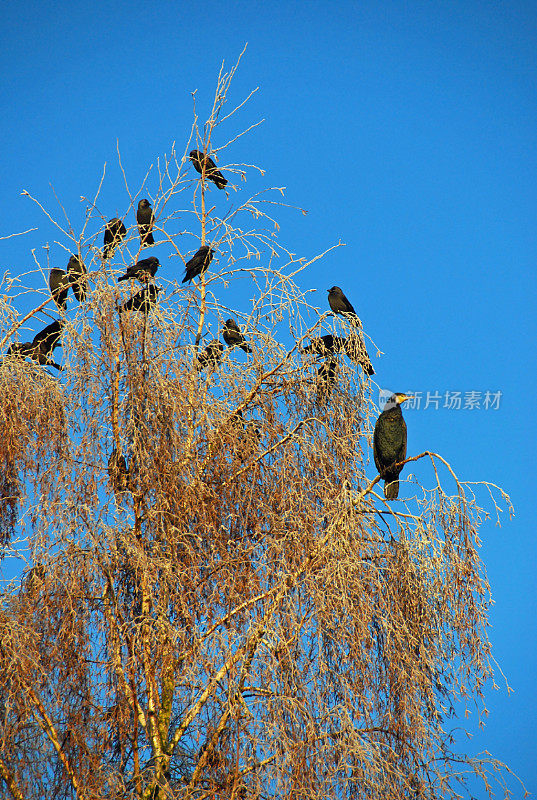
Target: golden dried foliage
218,603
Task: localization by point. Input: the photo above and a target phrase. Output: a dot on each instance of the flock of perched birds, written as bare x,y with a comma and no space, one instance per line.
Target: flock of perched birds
390,434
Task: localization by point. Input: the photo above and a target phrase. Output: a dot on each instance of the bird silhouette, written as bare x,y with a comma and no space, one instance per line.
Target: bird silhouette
340,304
198,263
143,301
211,356
233,336
145,219
113,234
77,274
200,160
59,283
143,270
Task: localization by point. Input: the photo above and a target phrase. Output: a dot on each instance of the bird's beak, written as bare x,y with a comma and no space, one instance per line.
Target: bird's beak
402,398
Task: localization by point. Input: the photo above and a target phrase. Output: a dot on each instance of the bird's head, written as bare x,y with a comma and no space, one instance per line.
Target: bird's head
194,154
334,289
397,399
143,203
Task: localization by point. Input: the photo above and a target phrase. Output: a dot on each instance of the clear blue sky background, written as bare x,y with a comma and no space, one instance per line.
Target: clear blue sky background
407,129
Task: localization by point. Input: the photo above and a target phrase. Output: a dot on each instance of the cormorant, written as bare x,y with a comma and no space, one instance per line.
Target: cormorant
198,263
233,336
213,174
144,218
389,444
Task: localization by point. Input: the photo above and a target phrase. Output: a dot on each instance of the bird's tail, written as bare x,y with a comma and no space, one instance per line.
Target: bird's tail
123,278
246,348
391,489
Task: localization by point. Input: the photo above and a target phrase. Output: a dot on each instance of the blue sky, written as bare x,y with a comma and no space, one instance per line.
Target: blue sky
407,130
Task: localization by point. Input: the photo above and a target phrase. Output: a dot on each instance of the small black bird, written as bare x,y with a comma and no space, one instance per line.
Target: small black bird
41,347
143,300
211,173
59,287
389,444
118,472
77,274
341,305
144,218
233,336
143,270
356,350
211,356
326,378
198,263
323,345
113,234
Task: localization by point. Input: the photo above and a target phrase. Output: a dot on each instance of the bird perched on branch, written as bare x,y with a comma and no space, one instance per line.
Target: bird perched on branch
326,378
40,349
342,305
143,301
356,350
113,234
143,270
233,336
118,472
59,283
323,345
389,444
200,160
78,277
145,219
198,263
211,356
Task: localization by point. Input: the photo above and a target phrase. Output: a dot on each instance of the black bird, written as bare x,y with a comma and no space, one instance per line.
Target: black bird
233,336
211,356
326,378
341,305
77,273
144,218
118,472
59,287
213,174
356,350
41,347
143,300
113,234
143,270
323,345
248,445
198,263
389,444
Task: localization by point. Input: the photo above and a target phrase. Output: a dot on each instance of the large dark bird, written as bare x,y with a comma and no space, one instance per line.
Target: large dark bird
143,270
213,174
144,218
341,305
198,263
211,356
356,350
77,274
389,444
40,349
113,234
59,287
233,336
326,378
143,300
